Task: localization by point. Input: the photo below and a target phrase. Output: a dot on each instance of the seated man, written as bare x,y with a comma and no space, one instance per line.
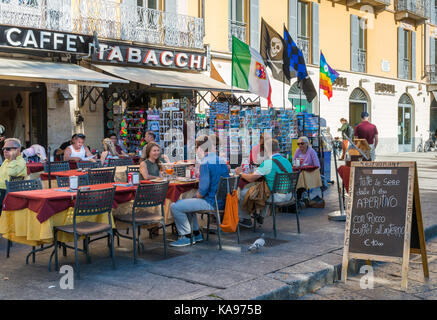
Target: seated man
13,166
274,163
77,151
118,148
211,169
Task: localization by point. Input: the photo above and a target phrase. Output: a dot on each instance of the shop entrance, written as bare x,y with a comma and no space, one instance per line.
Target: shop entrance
24,107
357,104
405,124
298,100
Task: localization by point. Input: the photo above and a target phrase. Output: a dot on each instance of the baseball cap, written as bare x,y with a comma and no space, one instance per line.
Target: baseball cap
364,114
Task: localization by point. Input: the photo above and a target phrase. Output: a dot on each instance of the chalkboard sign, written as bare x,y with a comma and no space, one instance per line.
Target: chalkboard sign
382,209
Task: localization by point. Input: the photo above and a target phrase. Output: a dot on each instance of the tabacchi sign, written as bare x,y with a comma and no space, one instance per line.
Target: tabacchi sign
44,40
153,57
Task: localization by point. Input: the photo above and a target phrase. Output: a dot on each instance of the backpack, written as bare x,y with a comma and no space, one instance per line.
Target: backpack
350,131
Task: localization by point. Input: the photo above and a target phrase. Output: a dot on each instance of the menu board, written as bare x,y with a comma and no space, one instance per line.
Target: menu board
384,219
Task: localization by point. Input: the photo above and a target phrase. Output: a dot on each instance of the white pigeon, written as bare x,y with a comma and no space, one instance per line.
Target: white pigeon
257,244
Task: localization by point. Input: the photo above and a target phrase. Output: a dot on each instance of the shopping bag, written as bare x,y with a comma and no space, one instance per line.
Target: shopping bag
230,218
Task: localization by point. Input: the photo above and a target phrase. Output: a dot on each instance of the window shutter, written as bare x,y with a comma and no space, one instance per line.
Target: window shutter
432,11
292,19
413,55
432,53
254,24
400,53
171,6
354,42
315,33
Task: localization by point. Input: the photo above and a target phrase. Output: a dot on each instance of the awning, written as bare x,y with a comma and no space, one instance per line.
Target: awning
167,78
38,71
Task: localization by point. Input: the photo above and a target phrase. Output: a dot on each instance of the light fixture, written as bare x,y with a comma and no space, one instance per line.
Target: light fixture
64,95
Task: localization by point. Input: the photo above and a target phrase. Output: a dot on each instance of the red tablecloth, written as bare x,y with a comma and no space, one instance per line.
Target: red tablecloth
176,189
48,202
344,172
69,173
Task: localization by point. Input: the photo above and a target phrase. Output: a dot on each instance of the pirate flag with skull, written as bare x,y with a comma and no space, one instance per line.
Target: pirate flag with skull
271,49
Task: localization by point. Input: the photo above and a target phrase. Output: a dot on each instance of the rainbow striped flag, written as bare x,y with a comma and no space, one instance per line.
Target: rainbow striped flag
327,77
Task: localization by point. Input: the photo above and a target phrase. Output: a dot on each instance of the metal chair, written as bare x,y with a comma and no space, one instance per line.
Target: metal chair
19,178
226,185
101,175
120,162
65,181
133,169
57,166
22,185
284,183
147,195
88,164
88,203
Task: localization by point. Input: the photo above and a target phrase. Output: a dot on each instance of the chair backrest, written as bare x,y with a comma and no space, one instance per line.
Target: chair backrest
65,181
101,175
179,171
133,169
94,202
19,178
23,185
150,195
57,166
227,185
285,182
120,162
88,164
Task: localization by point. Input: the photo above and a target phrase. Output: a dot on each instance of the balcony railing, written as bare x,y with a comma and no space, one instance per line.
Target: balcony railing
431,73
361,60
238,30
416,7
111,21
303,43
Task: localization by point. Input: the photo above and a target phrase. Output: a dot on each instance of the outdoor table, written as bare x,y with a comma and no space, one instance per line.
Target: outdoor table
120,175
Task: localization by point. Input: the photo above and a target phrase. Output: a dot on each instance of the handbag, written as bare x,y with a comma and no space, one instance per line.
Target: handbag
230,217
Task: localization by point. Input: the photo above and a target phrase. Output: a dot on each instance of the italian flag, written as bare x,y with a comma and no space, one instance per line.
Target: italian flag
249,70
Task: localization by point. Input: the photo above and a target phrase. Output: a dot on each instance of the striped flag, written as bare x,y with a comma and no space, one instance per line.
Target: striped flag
327,77
249,70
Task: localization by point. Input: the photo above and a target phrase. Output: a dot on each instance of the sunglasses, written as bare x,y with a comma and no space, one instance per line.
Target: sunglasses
300,143
81,136
9,148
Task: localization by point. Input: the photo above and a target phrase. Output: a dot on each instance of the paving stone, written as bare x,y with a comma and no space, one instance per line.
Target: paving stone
313,296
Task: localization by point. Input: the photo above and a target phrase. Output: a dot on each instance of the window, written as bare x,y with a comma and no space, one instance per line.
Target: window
303,29
151,4
237,21
358,44
406,65
362,34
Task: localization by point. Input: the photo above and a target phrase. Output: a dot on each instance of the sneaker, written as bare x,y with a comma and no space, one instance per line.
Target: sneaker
260,219
198,238
182,242
247,223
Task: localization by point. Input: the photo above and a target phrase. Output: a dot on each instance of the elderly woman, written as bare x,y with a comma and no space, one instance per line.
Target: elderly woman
13,166
306,154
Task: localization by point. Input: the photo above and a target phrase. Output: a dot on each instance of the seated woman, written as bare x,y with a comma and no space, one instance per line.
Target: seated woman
108,153
149,166
306,154
77,151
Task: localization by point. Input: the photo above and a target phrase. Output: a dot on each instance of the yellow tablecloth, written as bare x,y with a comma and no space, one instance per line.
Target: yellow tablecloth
309,179
22,226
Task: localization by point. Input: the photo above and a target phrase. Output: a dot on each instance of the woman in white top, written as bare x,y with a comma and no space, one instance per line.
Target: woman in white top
77,151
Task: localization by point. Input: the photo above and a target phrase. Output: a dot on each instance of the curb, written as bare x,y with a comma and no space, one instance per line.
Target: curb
300,284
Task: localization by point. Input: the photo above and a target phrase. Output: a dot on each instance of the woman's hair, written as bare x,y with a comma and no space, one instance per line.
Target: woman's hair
149,147
305,140
109,146
343,119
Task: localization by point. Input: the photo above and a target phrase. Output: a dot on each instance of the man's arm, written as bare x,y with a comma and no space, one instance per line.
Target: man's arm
67,155
203,181
376,140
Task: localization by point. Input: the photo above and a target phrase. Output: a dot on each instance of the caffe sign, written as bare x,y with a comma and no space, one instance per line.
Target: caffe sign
149,56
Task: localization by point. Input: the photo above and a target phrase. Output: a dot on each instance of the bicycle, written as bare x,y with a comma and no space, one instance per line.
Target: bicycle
429,144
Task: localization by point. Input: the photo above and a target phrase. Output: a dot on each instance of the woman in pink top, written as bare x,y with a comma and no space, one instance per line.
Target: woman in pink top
306,154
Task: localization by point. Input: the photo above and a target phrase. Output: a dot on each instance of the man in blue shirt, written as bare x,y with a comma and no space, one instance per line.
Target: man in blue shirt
211,169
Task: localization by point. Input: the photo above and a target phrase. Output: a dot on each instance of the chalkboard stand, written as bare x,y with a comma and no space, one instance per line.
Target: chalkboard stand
412,242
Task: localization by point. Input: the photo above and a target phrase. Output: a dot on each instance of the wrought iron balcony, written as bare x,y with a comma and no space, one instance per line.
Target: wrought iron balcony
111,21
361,60
238,30
378,5
431,73
416,10
303,43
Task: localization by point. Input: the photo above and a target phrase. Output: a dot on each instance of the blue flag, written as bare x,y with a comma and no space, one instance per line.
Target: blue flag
293,58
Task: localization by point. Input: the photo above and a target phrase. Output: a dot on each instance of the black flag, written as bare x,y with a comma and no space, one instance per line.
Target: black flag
308,89
272,50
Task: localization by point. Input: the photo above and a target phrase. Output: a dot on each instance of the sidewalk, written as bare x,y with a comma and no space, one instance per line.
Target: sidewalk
285,268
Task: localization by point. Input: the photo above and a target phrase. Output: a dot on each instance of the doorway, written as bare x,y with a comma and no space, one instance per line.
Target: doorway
358,103
405,109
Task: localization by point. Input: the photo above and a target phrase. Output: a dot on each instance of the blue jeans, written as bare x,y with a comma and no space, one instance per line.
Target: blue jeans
182,208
